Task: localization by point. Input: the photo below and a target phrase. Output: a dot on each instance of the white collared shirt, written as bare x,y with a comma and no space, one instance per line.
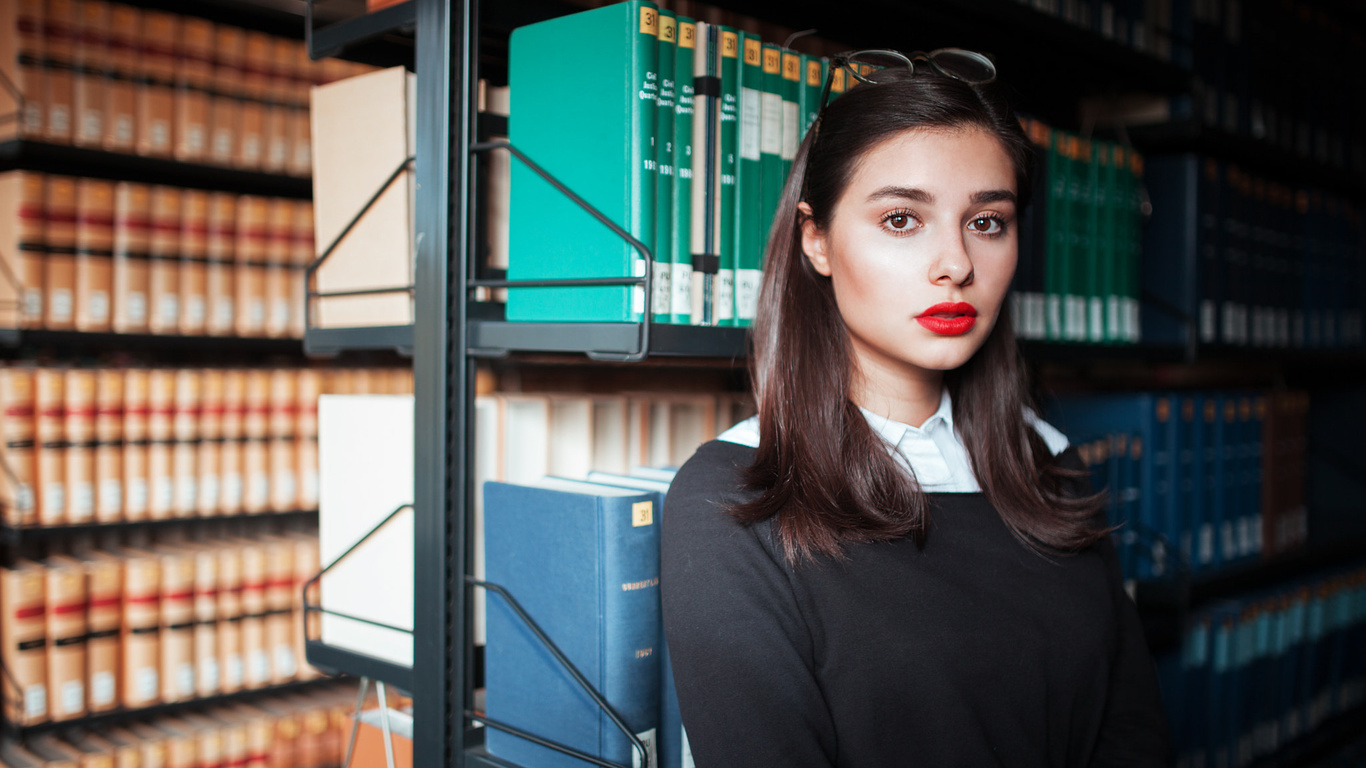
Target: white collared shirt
932,451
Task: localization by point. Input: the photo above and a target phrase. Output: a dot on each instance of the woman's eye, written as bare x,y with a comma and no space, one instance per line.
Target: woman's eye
987,225
899,222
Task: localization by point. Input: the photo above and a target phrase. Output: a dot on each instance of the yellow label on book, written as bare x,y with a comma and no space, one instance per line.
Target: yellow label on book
649,22
772,61
813,72
668,29
1164,410
730,45
753,52
642,513
837,80
792,66
687,35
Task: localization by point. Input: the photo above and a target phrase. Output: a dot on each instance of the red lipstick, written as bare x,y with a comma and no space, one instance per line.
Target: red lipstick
949,318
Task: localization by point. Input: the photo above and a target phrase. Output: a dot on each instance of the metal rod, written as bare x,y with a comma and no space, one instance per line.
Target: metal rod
544,742
349,550
567,283
384,725
360,292
318,609
355,719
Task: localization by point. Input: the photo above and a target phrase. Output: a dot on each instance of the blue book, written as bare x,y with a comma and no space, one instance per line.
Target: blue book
1224,626
1255,446
1293,667
1187,510
1171,244
583,560
1195,683
1207,478
1228,476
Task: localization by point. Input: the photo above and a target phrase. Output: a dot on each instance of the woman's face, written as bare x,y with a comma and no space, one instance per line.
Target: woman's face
920,251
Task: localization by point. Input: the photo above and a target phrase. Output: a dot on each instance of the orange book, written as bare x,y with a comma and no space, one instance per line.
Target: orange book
161,439
104,583
49,466
255,91
59,268
31,246
177,625
254,651
279,89
234,411
66,638
279,258
23,643
164,254
280,642
156,92
255,460
141,630
59,28
79,436
194,253
253,229
231,665
193,78
109,445
219,271
206,620
185,431
301,246
225,105
132,251
210,461
16,440
91,65
136,472
121,90
281,450
21,57
94,254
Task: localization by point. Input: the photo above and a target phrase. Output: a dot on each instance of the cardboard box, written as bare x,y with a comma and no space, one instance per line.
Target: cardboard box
17,424
194,77
21,54
91,63
136,471
59,268
49,433
132,249
66,638
231,664
177,625
23,642
219,271
79,436
94,254
140,634
104,583
156,91
253,230
109,399
59,27
194,253
362,130
120,90
225,105
164,253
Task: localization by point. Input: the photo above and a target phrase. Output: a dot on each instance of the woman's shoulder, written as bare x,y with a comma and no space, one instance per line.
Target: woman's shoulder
716,470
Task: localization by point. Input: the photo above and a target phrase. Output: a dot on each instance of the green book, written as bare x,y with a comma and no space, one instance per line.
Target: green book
664,155
1097,249
813,77
1058,238
771,138
1079,254
1111,232
680,226
1133,247
727,157
792,113
749,176
584,92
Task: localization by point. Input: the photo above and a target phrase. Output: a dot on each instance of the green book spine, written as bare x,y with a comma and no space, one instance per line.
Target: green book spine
664,155
813,77
1112,232
1058,226
584,92
749,211
1133,247
1074,305
728,157
1098,252
771,137
680,252
792,112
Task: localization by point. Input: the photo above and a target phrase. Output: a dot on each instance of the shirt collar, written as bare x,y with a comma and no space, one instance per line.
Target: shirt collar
894,431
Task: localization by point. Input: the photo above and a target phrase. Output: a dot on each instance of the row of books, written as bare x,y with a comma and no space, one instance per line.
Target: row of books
1257,672
108,445
306,729
1155,28
130,80
131,628
1196,481
94,255
1077,278
1234,258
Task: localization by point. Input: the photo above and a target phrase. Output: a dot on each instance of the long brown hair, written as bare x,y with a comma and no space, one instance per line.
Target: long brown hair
824,476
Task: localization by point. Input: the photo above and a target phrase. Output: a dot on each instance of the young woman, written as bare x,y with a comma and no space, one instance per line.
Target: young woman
897,562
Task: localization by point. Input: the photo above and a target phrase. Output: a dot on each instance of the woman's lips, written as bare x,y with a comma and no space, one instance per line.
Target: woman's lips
949,318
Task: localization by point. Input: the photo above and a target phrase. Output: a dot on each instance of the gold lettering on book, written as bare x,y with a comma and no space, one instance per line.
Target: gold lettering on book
645,653
632,586
642,513
649,20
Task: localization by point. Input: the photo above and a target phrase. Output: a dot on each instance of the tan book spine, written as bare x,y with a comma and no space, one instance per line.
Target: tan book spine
17,428
79,436
287,735
255,90
21,41
59,269
136,472
164,256
156,91
177,626
234,412
219,271
132,251
301,246
193,78
225,106
253,231
261,741
306,625
279,256
120,89
154,742
104,579
59,31
185,431
280,642
306,428
141,630
94,254
279,89
66,635
254,651
32,248
181,744
231,664
313,737
210,461
206,621
109,445
23,598
282,448
255,460
91,71
233,727
50,469
11,286
194,254
161,439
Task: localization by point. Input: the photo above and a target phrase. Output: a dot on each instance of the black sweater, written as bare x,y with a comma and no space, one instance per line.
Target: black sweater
974,651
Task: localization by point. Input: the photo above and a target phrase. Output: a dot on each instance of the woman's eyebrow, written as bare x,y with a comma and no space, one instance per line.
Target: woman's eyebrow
921,196
993,196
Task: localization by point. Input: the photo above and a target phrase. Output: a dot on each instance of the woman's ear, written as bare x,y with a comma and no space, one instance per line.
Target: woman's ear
813,241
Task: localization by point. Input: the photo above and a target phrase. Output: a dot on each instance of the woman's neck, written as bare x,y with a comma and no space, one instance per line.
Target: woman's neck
907,400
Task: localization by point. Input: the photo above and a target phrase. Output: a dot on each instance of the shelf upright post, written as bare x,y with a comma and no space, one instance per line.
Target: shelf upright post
443,34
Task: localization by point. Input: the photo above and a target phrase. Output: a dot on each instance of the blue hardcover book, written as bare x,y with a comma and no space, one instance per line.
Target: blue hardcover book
1187,508
1255,446
1207,477
583,560
1193,730
1228,472
1291,713
1247,511
1224,628
1171,247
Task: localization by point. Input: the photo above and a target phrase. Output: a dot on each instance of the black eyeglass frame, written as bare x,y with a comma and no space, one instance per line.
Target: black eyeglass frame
844,60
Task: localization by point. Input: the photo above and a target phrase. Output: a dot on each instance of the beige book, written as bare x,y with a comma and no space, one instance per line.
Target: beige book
59,268
306,472
120,91
282,460
104,583
193,77
362,130
194,254
225,106
301,247
136,417
279,256
66,638
140,634
91,64
94,254
219,271
21,56
209,735
208,477
232,724
23,642
276,130
255,88
234,409
59,27
102,752
79,434
256,476
279,92
300,142
250,259
50,441
161,439
109,399
182,743
30,245
17,424
177,671
282,402
206,632
185,431
256,658
156,92
164,254
12,245
231,664
155,744
132,248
